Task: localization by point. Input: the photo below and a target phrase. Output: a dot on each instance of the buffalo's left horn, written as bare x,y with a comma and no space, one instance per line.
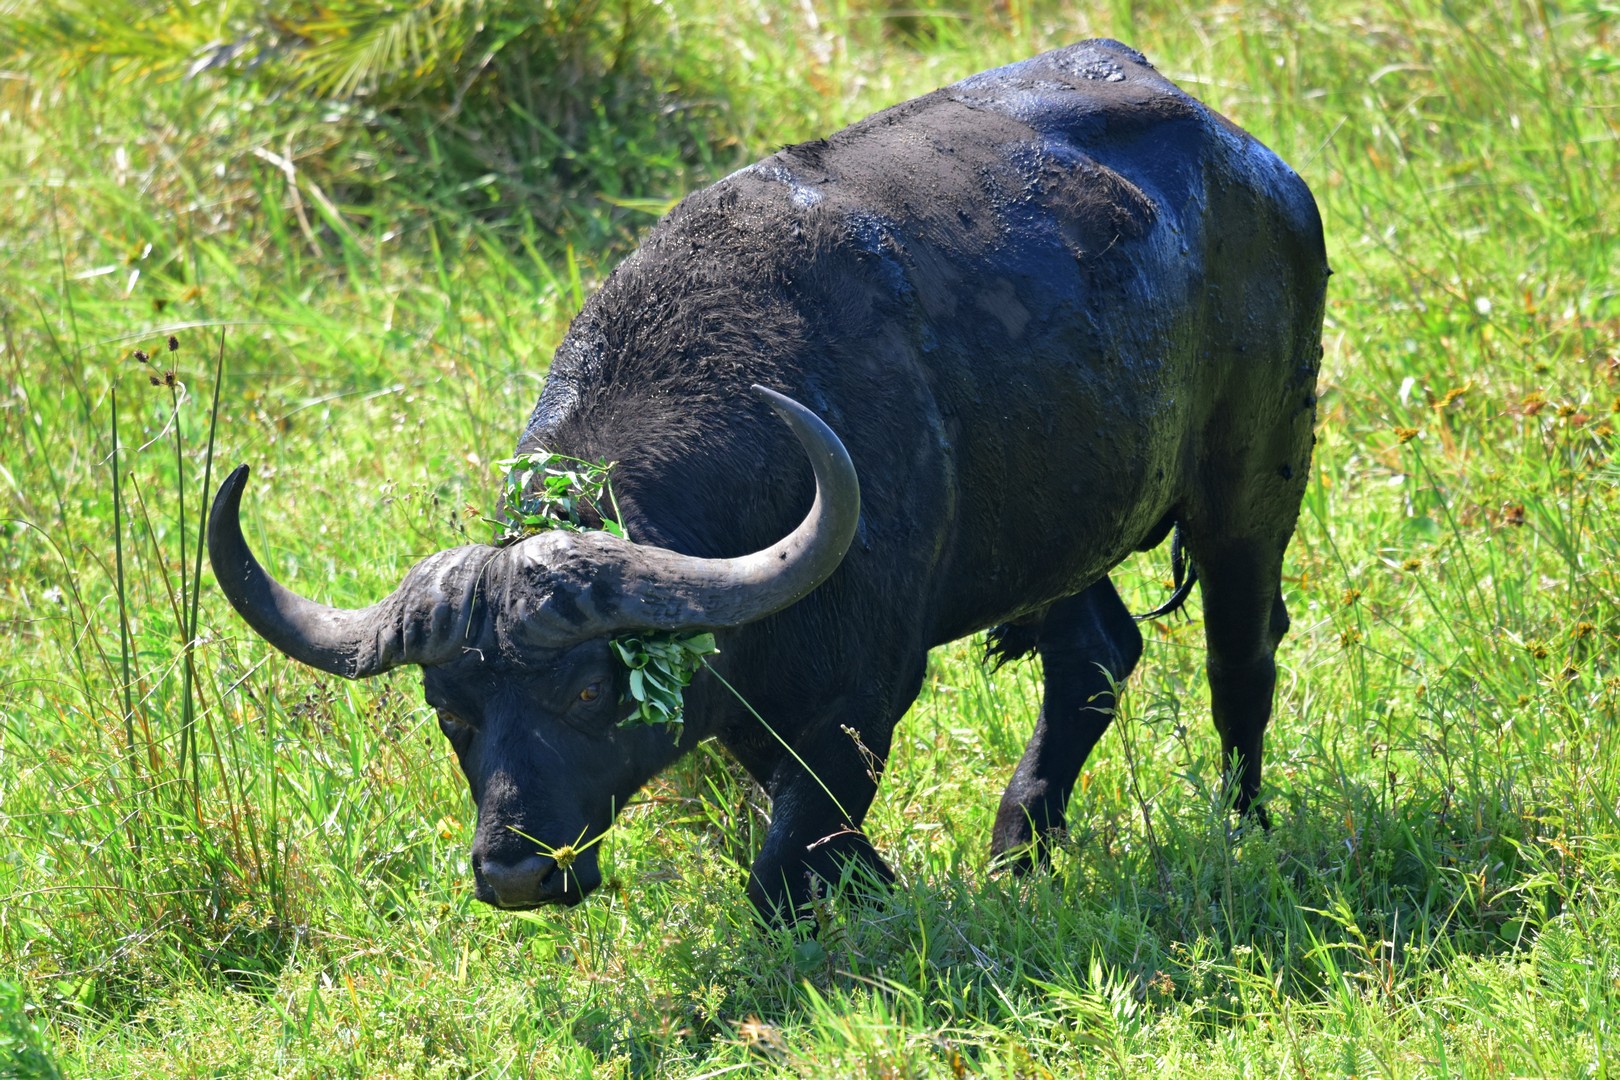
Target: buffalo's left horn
606,585
424,621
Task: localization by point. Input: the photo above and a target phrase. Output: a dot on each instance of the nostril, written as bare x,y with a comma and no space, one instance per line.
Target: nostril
518,883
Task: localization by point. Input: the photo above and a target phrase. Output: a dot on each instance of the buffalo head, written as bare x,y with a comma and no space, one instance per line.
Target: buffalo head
514,645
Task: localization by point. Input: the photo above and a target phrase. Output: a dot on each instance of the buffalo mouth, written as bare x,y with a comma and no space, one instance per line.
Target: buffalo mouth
535,881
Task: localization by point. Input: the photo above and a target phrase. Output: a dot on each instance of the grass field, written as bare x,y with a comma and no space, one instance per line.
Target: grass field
365,239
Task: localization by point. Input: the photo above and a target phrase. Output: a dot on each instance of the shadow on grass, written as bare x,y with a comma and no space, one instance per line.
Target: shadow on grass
1211,926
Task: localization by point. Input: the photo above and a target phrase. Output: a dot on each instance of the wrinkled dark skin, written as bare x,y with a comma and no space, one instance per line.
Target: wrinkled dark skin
1052,311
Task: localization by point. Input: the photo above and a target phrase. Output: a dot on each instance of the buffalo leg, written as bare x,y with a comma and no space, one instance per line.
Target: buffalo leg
1088,644
1244,620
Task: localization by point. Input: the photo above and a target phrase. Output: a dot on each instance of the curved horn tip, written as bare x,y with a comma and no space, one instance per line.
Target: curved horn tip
774,398
227,501
791,410
232,485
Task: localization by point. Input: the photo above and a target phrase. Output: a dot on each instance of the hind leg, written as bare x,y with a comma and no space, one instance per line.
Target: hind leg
1244,620
1082,637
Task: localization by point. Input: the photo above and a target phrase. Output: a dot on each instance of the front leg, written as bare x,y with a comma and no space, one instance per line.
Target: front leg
819,799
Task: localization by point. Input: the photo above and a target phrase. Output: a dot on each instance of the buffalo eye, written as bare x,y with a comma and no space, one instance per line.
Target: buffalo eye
452,725
591,693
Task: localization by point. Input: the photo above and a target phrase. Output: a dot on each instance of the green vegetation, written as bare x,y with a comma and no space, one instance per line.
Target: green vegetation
541,491
661,667
365,229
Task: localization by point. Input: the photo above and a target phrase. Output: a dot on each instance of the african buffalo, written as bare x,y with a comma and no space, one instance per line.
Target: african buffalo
1051,312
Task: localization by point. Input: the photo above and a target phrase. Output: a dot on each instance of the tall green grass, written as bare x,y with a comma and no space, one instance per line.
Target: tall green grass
217,863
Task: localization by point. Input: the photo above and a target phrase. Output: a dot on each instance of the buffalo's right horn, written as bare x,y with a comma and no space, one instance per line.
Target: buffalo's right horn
424,621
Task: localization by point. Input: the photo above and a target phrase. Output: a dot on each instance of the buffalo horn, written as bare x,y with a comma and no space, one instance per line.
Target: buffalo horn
614,586
424,621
